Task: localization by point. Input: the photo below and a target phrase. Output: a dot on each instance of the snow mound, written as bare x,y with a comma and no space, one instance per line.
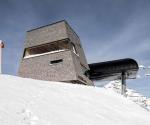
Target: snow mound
130,94
34,102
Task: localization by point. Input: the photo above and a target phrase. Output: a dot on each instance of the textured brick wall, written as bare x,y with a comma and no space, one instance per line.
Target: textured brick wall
39,68
46,34
80,76
76,40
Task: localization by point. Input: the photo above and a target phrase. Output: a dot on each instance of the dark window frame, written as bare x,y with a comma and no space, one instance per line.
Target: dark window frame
55,61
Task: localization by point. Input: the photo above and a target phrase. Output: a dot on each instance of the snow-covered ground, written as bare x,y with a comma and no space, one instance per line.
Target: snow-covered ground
130,94
34,102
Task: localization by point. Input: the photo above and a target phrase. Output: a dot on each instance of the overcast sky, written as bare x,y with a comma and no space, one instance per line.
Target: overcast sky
108,29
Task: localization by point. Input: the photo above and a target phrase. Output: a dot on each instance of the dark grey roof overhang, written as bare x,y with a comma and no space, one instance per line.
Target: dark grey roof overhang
112,70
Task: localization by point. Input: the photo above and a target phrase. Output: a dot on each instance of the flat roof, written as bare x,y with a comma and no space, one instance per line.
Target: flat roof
54,24
47,25
104,70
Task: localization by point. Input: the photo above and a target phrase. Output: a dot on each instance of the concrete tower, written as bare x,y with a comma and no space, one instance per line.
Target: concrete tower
54,53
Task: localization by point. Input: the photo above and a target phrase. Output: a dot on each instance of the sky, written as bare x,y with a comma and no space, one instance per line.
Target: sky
108,29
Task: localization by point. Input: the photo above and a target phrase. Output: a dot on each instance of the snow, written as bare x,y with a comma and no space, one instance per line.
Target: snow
130,94
141,66
147,74
34,102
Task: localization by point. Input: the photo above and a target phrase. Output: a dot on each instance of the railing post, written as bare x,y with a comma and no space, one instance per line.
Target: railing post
1,47
123,83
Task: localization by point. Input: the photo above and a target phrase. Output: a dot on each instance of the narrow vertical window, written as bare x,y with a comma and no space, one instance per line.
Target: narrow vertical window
73,48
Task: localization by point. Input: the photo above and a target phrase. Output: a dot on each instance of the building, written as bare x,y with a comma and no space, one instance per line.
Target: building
54,53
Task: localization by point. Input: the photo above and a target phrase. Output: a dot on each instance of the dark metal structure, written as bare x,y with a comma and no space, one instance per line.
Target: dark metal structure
112,70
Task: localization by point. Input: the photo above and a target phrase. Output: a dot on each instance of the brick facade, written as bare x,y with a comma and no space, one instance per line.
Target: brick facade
39,67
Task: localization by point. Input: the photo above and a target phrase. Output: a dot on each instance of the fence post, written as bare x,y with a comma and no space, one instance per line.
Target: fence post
123,83
1,47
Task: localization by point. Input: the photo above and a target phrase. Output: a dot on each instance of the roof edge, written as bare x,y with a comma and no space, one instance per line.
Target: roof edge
47,25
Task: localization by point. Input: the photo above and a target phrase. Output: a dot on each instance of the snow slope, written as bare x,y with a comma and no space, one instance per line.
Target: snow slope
34,102
130,94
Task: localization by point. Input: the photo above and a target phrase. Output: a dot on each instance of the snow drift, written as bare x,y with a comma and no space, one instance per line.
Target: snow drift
131,94
34,102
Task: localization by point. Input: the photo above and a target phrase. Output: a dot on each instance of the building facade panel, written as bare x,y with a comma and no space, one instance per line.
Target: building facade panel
54,53
40,68
79,70
46,34
76,40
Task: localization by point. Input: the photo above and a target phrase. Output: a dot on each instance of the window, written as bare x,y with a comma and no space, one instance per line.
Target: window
46,48
56,61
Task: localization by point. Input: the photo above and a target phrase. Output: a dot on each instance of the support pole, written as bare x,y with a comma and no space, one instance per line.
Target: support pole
1,47
123,83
